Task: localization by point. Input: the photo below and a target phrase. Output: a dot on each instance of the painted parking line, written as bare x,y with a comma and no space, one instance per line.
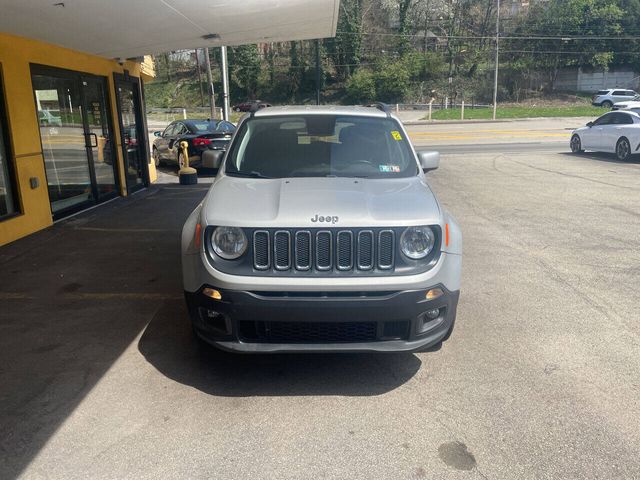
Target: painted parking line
473,136
501,130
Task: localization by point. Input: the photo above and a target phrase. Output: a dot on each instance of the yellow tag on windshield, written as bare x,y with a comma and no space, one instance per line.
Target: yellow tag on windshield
396,135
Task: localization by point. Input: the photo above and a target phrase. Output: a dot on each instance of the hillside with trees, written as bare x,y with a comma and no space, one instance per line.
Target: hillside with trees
414,50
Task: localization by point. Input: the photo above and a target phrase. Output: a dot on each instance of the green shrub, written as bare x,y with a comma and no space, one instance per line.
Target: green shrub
361,87
392,82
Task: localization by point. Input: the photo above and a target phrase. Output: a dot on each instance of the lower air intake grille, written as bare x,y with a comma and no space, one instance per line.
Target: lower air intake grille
308,332
397,329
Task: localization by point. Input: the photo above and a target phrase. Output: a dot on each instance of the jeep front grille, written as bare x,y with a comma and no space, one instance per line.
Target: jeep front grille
324,250
262,252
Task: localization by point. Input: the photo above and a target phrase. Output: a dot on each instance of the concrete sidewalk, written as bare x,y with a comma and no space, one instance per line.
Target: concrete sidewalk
74,297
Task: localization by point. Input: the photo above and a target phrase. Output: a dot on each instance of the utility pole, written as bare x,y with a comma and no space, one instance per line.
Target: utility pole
495,84
212,99
225,83
317,72
199,78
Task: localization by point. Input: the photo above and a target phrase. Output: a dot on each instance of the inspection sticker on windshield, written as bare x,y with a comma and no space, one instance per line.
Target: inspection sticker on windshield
396,135
390,168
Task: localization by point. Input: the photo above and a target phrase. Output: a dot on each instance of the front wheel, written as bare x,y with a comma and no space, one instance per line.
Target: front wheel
156,157
623,150
606,104
576,144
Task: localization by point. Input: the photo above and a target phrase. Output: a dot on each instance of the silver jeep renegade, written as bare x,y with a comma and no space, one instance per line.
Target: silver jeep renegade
320,233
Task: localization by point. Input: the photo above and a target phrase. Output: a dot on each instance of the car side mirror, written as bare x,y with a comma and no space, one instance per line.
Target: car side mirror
590,124
212,158
429,160
157,134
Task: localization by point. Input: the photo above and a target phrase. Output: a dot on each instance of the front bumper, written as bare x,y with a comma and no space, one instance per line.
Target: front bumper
246,321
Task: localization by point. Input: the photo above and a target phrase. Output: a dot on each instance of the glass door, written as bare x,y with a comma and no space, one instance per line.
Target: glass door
98,138
77,143
63,142
133,133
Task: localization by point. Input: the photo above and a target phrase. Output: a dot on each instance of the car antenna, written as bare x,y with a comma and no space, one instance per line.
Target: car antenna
381,106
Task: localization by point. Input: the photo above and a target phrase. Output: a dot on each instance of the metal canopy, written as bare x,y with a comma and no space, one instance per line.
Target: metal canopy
132,28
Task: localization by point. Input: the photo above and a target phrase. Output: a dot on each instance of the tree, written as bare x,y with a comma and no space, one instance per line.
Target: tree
344,48
582,23
246,68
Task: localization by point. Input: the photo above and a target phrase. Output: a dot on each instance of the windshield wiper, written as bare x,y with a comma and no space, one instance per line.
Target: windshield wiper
251,174
347,176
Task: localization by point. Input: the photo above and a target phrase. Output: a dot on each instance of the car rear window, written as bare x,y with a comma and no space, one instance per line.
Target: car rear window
321,146
204,126
602,92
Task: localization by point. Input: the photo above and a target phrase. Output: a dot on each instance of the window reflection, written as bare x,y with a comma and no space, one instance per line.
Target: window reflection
7,205
63,141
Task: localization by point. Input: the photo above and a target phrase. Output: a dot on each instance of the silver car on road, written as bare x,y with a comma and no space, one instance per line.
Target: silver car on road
321,233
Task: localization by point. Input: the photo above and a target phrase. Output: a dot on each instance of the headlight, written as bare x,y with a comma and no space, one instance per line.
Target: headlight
229,242
417,242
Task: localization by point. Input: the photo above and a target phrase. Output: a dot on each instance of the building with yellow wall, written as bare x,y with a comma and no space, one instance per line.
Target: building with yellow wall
72,132
72,119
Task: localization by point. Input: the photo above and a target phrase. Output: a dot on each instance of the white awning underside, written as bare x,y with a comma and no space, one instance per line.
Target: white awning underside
133,28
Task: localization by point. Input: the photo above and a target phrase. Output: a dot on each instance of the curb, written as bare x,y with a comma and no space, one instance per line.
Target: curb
460,122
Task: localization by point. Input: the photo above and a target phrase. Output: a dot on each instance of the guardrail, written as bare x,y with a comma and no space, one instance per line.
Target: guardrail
443,105
177,113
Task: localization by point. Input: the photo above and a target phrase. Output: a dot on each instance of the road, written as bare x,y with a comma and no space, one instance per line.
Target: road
102,378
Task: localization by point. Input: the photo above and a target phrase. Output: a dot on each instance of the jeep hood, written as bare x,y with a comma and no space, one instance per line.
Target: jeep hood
294,202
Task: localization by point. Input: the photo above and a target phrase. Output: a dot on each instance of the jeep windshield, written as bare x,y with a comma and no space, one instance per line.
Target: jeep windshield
321,146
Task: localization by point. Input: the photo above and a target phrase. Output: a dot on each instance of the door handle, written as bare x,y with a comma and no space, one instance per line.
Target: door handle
95,137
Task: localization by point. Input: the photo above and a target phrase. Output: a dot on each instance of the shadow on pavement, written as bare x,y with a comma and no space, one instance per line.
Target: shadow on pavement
603,157
169,345
72,299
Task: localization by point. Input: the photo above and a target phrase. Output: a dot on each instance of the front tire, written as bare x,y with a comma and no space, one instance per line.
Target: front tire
156,157
576,144
623,150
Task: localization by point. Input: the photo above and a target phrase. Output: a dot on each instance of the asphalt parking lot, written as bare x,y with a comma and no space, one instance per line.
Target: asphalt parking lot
100,376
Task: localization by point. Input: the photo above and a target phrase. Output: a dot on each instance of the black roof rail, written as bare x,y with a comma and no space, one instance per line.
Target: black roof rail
381,106
254,108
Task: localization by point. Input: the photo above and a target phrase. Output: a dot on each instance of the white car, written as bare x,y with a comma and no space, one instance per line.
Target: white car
634,103
614,132
607,98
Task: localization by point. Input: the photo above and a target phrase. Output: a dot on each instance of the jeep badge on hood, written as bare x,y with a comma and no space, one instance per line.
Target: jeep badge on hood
326,219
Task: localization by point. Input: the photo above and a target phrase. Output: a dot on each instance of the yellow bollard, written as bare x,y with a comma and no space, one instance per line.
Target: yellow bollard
186,174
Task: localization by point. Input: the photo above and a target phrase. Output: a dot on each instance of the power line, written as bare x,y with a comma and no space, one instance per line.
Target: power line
504,37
